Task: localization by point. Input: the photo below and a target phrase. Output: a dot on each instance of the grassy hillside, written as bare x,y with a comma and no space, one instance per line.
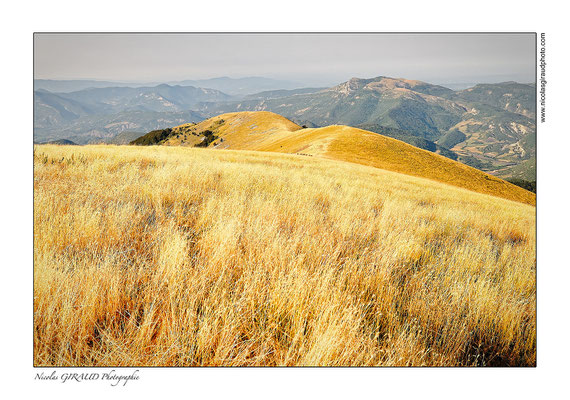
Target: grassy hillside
265,131
413,106
405,137
492,126
180,256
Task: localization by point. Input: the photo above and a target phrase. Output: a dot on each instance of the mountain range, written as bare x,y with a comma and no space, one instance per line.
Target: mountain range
232,86
488,126
91,114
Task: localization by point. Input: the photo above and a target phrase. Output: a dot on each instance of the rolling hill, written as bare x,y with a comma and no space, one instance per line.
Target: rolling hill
409,105
491,127
102,127
266,131
89,115
413,140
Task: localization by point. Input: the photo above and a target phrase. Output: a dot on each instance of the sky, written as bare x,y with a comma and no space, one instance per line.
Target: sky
311,59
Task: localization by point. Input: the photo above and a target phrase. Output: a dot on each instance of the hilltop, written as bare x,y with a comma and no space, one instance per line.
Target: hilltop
489,127
382,100
266,131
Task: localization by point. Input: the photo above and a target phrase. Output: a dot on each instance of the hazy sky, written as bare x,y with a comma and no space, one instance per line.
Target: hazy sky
313,59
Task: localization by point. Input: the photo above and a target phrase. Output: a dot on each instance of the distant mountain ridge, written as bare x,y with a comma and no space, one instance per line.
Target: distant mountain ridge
398,103
490,126
103,112
117,99
102,128
275,94
240,86
73,85
510,96
231,86
124,137
102,109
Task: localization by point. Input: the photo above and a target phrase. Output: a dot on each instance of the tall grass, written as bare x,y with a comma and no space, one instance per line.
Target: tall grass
188,257
267,131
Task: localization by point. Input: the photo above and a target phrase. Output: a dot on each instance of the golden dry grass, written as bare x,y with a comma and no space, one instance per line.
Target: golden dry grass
179,256
266,131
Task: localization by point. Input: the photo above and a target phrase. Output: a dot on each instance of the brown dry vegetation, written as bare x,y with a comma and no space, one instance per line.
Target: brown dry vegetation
266,131
185,257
